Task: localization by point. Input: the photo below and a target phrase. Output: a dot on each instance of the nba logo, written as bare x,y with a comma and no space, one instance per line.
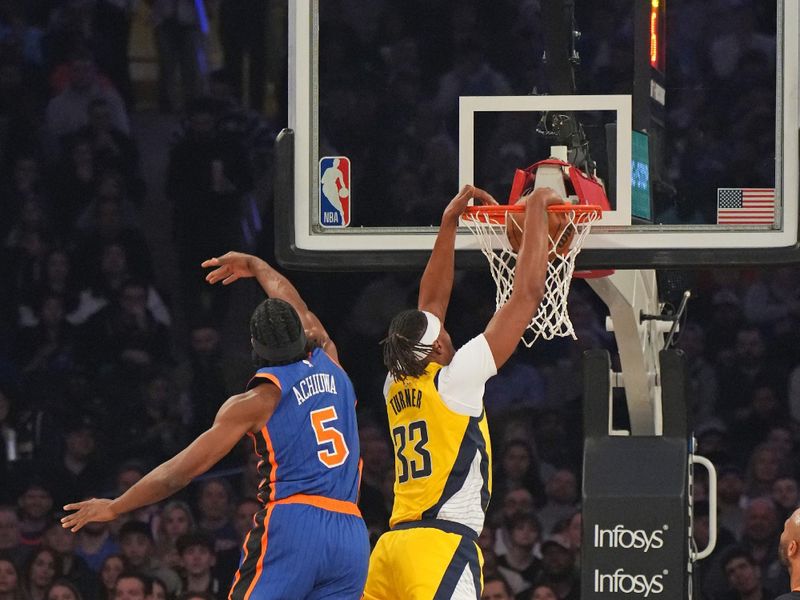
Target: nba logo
334,191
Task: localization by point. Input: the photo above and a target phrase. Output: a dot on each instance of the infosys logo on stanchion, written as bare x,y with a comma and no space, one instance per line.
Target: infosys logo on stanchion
629,539
620,582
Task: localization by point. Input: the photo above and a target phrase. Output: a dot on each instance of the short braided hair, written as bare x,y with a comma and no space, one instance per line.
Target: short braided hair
400,345
276,324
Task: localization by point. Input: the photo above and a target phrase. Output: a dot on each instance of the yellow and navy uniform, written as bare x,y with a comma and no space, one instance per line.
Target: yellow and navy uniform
441,491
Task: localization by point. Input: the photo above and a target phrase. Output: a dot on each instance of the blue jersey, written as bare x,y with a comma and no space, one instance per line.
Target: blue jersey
310,443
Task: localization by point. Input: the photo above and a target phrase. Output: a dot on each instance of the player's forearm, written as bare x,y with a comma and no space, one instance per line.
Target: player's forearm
158,484
532,262
276,285
437,279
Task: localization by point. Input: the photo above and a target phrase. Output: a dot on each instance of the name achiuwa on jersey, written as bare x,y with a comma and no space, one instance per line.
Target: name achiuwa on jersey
318,383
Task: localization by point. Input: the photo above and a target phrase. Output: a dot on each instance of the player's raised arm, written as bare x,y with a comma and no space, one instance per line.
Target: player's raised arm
241,414
508,324
237,265
437,280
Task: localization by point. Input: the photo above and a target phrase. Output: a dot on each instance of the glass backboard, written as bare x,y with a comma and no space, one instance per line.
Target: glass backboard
688,111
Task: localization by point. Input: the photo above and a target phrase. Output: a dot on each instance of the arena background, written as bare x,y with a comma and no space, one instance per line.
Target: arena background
114,353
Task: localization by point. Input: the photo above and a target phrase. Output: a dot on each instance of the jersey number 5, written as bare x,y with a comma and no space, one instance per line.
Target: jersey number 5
335,451
416,433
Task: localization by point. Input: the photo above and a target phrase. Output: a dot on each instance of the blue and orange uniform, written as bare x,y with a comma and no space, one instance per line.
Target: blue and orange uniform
309,540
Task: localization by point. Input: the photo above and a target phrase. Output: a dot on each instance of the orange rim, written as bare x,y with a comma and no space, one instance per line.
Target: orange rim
497,212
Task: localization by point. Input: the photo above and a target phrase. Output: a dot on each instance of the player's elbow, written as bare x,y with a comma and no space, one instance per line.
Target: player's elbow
533,293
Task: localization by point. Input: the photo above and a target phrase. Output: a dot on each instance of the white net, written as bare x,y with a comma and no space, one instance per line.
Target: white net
552,318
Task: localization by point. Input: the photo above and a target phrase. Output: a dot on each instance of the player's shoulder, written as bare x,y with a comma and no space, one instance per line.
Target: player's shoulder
476,349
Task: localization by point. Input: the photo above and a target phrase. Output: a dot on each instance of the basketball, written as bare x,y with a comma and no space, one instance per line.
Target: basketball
561,233
559,229
344,192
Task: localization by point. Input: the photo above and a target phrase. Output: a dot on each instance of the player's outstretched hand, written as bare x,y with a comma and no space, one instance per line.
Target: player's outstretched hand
459,202
230,267
96,510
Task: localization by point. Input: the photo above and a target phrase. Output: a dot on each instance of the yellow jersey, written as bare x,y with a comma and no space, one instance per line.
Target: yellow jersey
443,460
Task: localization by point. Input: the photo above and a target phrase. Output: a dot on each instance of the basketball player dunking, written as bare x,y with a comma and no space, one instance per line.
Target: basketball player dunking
434,399
308,541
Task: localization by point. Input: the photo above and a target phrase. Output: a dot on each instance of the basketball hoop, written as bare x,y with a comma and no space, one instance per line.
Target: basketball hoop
488,224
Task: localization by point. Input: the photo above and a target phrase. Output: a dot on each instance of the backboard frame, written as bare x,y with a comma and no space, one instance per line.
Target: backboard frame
297,246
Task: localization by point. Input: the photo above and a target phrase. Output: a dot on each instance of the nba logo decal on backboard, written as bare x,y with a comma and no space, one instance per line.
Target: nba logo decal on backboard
334,191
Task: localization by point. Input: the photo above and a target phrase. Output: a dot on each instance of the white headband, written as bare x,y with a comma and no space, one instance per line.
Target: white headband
430,335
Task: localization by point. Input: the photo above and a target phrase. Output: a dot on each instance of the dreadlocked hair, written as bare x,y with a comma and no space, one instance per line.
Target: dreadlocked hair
276,324
400,345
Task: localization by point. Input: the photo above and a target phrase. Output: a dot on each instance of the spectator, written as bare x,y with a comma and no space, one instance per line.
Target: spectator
561,491
214,513
26,246
10,544
131,585
9,579
126,336
48,348
781,438
514,503
35,504
710,580
761,532
543,592
496,588
763,469
206,376
701,373
136,542
377,457
41,569
63,590
572,530
785,496
753,423
744,577
525,531
25,183
175,521
181,44
111,225
111,147
158,589
518,467
196,596
68,111
58,279
113,566
95,544
207,177
79,472
73,568
196,550
558,568
491,567
730,499
748,370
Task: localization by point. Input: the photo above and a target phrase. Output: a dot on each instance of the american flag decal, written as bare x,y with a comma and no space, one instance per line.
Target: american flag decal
745,206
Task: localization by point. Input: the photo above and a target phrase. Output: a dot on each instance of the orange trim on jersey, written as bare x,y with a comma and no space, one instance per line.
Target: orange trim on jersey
271,377
273,464
262,554
340,506
238,571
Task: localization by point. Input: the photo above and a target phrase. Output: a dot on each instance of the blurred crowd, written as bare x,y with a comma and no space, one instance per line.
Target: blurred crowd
105,370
